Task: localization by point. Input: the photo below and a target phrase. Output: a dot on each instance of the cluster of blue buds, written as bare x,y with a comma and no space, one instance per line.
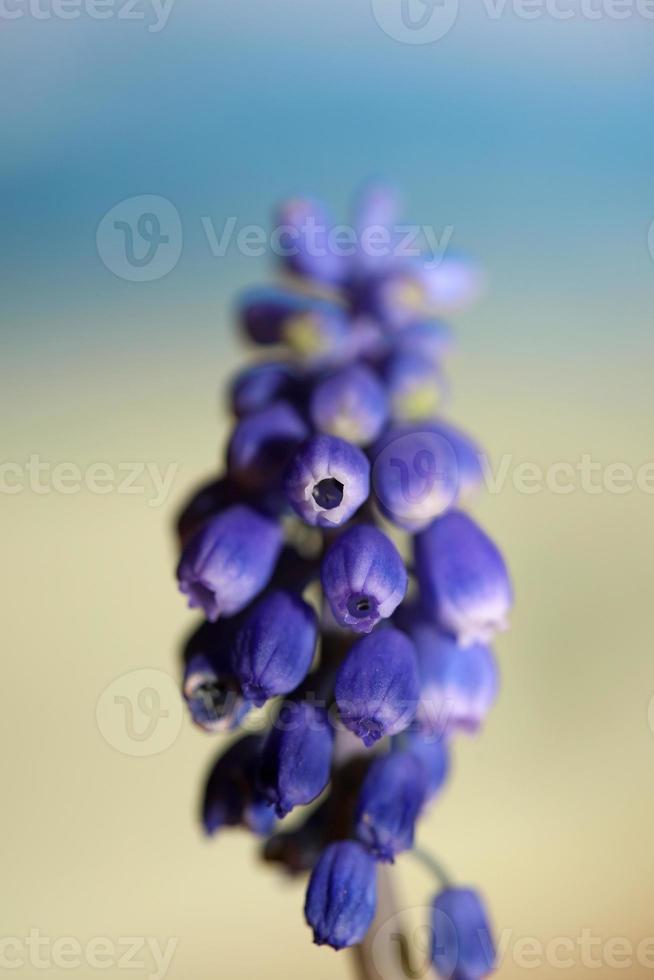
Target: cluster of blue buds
348,598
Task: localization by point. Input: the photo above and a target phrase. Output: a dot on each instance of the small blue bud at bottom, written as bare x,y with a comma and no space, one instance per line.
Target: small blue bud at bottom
342,895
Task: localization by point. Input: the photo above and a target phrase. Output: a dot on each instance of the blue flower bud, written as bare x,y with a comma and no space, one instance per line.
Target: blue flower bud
363,578
434,755
210,688
256,387
458,685
414,475
296,758
231,798
462,941
393,295
263,311
327,480
351,404
342,895
303,227
415,386
262,444
468,456
464,583
429,339
376,203
274,646
206,501
451,285
228,561
389,803
321,334
378,686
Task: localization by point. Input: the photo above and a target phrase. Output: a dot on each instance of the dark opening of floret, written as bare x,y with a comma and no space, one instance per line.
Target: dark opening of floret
328,493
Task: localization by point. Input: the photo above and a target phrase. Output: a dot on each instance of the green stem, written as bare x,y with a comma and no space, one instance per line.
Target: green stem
433,865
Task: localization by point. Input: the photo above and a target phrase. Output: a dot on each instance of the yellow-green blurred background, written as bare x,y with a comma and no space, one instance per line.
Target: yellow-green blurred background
533,139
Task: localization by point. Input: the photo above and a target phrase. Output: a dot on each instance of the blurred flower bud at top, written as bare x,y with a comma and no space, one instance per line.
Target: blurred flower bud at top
415,475
464,582
462,940
296,758
458,685
452,284
303,229
376,212
431,340
258,386
274,645
393,295
378,686
351,404
342,895
416,387
389,803
264,310
262,443
318,335
327,480
231,797
228,561
363,578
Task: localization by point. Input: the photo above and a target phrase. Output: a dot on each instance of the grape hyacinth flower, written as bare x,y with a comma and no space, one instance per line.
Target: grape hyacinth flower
377,686
363,578
327,481
342,895
231,798
339,464
351,403
464,582
434,755
258,386
458,685
296,757
415,475
391,798
211,690
273,647
262,444
462,943
228,561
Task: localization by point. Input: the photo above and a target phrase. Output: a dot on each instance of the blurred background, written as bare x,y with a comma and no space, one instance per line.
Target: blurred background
531,138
